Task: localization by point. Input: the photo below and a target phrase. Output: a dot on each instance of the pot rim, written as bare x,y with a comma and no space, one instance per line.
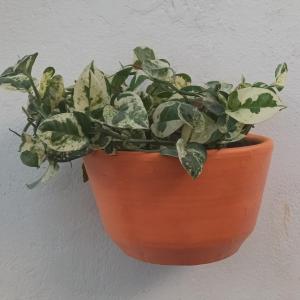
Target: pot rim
262,144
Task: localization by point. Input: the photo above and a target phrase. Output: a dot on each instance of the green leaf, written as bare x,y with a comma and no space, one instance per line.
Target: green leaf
158,93
197,89
213,102
29,158
128,111
90,90
50,172
280,76
253,105
62,133
32,151
192,157
233,101
220,86
158,69
263,100
232,129
136,81
119,78
142,54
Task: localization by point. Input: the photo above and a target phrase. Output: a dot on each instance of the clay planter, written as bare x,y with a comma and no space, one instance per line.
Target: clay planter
156,213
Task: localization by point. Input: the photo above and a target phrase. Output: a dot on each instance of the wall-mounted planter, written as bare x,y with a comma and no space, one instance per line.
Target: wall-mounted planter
155,212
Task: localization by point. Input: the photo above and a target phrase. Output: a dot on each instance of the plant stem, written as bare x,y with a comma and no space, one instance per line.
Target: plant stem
36,92
26,127
144,141
19,135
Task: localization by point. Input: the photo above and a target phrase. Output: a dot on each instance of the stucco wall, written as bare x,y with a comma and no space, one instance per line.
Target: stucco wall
52,245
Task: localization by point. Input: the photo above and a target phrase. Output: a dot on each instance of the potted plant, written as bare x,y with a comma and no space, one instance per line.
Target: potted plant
176,176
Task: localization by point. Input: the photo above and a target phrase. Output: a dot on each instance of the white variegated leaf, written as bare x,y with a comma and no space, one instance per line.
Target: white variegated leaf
44,82
32,151
19,82
166,119
280,76
203,129
252,105
182,80
192,157
90,90
24,65
142,54
128,112
55,91
158,69
62,133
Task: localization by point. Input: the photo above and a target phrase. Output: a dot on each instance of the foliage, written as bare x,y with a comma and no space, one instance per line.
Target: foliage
145,106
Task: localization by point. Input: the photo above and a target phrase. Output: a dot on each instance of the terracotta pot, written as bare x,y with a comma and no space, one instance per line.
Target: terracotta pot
156,213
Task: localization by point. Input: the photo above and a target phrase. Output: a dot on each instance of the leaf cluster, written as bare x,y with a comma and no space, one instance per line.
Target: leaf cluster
145,106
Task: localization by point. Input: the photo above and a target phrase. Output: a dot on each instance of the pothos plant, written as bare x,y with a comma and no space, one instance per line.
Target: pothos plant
145,106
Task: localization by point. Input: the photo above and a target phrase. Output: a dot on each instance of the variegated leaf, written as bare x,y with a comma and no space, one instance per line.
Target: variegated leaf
280,76
119,79
232,129
170,116
54,92
168,151
100,140
128,112
158,69
192,157
19,82
24,65
253,105
32,151
136,81
182,80
220,86
46,78
142,54
90,90
133,134
62,133
166,119
203,129
190,115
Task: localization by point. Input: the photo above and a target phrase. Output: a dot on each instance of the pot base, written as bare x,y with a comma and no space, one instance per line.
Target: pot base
181,257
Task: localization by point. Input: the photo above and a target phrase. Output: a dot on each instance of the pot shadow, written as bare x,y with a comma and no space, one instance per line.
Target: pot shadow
82,261
54,236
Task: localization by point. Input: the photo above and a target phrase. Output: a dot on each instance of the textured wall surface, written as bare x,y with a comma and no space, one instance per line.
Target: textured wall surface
52,245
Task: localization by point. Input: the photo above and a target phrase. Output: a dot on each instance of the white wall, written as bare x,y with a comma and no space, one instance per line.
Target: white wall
52,245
